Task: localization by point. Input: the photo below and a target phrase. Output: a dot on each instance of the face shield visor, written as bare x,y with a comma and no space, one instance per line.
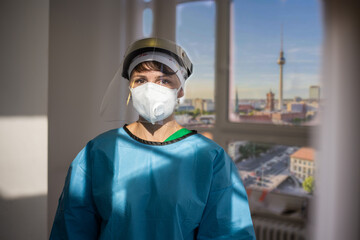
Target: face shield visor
150,79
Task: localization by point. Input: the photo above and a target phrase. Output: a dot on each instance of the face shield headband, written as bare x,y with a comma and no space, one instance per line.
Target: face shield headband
162,58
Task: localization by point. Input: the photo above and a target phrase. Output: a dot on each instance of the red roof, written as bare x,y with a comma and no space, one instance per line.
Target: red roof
304,153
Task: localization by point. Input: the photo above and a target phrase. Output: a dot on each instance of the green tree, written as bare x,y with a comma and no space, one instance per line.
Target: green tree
195,113
309,184
251,149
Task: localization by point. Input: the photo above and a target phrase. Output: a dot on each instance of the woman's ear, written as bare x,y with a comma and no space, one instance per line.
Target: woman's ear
180,93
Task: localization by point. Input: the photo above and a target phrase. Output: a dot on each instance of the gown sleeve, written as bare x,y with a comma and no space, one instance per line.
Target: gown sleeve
226,214
76,216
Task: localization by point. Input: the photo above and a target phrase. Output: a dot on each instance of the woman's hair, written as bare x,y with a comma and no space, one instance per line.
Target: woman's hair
153,66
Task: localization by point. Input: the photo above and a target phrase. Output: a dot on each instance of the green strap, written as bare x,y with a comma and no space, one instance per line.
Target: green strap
178,134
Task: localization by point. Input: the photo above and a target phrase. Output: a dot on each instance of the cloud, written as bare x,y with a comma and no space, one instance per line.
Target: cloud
314,50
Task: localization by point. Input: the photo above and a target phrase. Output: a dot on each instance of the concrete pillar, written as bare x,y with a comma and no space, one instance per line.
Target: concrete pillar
337,210
164,23
222,66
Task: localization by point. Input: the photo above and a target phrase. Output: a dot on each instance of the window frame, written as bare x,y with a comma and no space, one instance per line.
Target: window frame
224,131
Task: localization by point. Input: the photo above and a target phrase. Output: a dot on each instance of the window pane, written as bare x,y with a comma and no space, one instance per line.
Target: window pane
276,61
147,22
195,31
273,167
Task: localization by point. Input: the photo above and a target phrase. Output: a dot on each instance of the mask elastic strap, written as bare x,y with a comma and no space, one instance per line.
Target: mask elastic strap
178,90
128,99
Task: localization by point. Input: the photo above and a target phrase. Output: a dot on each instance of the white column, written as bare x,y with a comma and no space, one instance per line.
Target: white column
222,67
337,210
164,13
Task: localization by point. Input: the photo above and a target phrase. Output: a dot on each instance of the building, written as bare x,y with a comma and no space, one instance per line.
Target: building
314,93
198,103
296,107
236,101
270,101
281,61
263,118
185,108
245,108
297,99
302,163
209,105
281,117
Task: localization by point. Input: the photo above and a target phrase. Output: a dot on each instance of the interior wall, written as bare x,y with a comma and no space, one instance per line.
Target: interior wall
23,118
87,42
86,45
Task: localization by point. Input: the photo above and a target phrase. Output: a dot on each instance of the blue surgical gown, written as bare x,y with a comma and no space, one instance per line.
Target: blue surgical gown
123,187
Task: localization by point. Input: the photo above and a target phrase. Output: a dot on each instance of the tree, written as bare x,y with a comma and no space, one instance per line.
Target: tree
309,184
251,149
195,113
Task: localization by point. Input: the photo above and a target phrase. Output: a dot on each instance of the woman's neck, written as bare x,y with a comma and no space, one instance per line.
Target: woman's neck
157,132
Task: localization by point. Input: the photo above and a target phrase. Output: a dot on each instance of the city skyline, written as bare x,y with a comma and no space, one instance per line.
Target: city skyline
256,45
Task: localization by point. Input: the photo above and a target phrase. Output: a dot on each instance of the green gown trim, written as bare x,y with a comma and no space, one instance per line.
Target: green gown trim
179,133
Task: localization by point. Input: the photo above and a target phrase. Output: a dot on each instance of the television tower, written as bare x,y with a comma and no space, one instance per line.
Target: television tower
236,102
281,62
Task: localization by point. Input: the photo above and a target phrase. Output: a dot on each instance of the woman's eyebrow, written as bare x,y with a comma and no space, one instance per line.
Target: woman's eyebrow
164,75
137,76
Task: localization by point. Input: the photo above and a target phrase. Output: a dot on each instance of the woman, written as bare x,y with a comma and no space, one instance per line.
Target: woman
153,179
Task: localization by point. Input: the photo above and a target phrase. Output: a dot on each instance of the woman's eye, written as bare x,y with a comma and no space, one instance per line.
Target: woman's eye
164,81
139,81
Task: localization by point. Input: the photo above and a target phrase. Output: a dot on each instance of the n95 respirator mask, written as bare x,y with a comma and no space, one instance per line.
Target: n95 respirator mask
153,101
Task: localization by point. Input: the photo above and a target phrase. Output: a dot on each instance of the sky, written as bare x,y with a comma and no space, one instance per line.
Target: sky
257,31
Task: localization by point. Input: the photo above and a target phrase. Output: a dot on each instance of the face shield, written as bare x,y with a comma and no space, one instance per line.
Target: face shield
155,71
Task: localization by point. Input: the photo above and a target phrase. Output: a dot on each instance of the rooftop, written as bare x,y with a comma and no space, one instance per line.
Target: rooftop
304,153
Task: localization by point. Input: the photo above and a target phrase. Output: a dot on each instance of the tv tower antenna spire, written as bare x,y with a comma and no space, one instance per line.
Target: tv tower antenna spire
281,62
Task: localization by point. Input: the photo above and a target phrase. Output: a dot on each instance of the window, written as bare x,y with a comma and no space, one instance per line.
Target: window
147,22
276,62
243,72
195,32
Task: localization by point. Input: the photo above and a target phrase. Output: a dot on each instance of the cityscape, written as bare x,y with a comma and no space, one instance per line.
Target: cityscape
275,72
275,168
272,110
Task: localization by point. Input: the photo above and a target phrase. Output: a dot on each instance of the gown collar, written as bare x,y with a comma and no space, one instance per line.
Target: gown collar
157,143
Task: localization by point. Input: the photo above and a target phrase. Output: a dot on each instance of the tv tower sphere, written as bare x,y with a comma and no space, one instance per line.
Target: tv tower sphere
281,60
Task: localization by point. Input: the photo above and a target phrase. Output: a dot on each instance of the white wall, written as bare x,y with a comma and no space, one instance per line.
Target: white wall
23,118
87,42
